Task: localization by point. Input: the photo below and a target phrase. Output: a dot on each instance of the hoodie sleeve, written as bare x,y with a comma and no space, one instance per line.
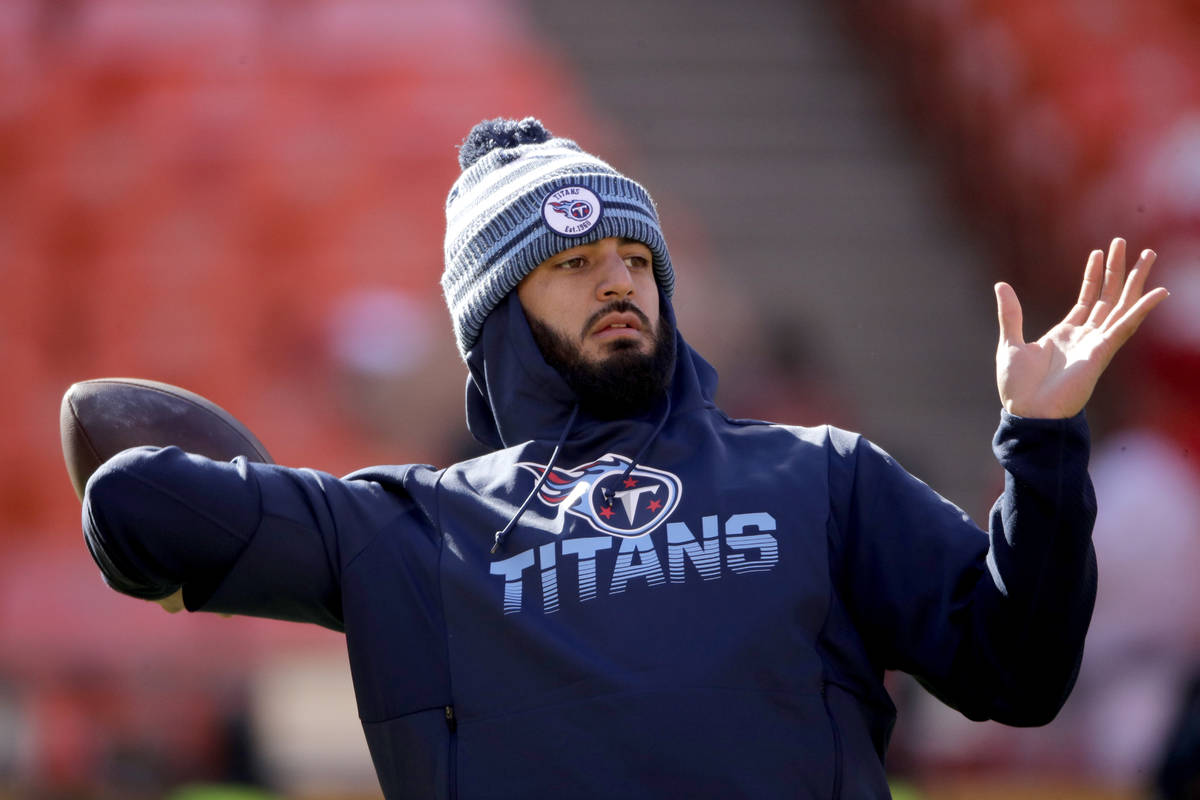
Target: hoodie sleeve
238,537
992,623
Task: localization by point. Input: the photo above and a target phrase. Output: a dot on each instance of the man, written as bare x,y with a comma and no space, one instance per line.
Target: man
633,595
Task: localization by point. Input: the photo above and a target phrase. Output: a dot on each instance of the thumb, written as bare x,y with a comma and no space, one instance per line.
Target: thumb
1008,309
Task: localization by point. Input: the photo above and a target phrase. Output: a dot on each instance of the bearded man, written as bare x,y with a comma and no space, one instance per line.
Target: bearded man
633,595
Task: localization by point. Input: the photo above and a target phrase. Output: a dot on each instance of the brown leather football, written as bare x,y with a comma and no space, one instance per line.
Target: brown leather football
102,417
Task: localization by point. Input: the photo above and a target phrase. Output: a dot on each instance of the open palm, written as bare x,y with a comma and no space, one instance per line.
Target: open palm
1054,376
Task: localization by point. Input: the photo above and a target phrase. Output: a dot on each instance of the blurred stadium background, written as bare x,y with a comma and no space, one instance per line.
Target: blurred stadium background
244,197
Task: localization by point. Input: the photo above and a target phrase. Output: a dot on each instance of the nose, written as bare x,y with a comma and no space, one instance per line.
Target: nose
615,280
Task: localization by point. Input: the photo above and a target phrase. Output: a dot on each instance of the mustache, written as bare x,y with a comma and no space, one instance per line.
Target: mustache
616,307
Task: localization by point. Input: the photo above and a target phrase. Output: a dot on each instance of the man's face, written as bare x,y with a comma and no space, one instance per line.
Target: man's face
601,297
594,314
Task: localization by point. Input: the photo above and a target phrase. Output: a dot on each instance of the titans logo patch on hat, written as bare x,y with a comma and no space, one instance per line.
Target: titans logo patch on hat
572,210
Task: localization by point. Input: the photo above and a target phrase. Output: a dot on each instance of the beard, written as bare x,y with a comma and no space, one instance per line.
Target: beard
625,383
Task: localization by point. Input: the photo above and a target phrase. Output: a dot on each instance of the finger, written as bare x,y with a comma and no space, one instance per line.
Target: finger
1125,327
1134,286
1089,292
1114,277
1008,310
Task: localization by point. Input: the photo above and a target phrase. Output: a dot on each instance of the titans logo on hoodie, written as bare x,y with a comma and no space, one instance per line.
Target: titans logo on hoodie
611,493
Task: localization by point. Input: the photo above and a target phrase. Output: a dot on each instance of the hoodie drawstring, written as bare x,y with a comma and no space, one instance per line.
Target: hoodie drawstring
512,523
606,493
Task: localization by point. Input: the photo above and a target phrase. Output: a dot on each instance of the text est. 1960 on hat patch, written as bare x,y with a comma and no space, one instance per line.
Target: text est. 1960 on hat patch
572,210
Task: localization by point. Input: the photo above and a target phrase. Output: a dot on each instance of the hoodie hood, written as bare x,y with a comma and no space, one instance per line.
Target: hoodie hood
514,396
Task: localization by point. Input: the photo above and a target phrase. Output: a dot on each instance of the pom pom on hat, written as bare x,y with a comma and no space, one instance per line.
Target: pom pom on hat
523,196
499,133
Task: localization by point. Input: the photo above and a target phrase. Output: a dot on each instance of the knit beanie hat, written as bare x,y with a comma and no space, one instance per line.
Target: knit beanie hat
522,197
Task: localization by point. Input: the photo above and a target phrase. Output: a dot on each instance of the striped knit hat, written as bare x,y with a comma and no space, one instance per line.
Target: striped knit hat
522,197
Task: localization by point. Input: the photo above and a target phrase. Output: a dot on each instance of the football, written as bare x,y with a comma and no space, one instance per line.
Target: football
100,418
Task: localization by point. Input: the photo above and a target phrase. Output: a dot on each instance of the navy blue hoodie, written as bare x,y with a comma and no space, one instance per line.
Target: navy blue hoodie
687,606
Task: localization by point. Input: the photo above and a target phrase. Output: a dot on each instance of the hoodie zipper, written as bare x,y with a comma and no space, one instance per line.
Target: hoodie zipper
452,726
837,744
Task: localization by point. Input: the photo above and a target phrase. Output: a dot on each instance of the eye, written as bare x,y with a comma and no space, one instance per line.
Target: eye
572,263
636,261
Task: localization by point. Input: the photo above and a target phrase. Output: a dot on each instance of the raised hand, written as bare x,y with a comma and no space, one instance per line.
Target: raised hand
1053,377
